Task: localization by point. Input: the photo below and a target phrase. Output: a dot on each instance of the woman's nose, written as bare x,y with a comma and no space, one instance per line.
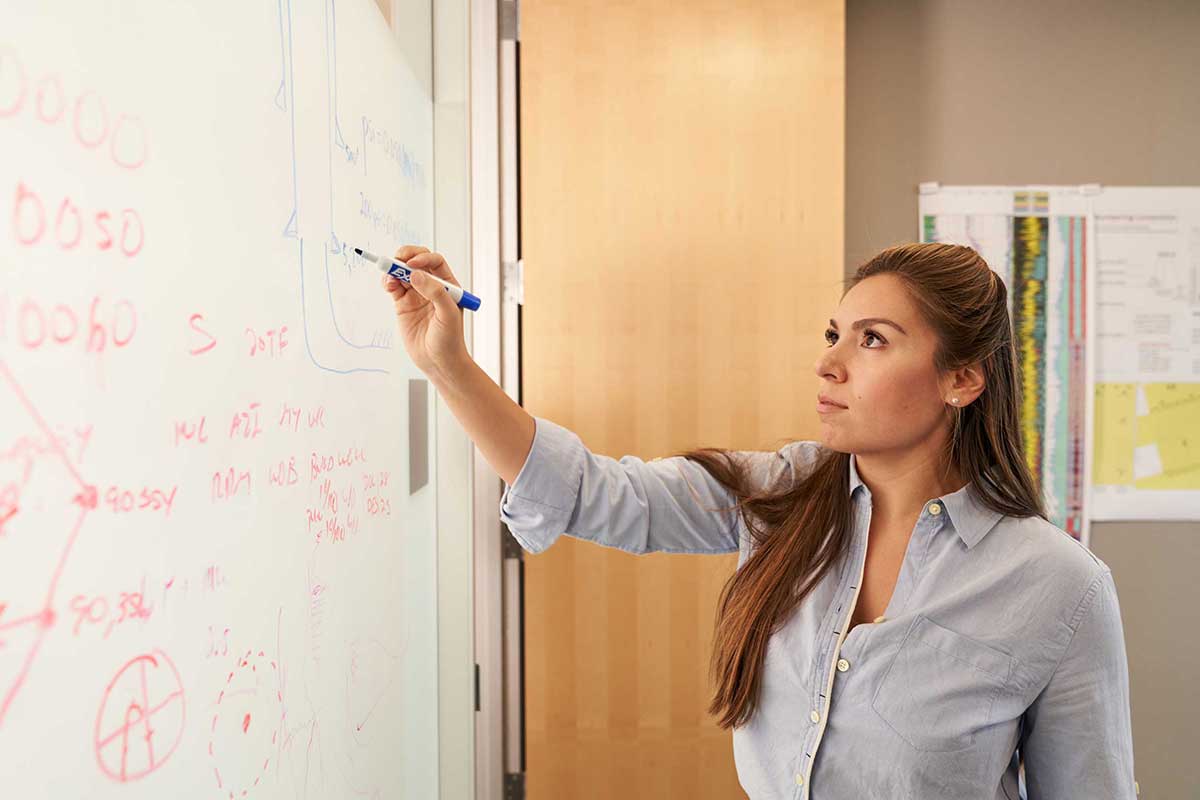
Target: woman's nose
827,365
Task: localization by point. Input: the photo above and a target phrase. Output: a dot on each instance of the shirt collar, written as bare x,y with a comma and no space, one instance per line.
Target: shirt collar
970,518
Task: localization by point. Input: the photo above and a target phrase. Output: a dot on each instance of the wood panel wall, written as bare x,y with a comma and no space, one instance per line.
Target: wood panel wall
682,223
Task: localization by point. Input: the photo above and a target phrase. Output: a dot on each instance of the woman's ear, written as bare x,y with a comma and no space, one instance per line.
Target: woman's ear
963,385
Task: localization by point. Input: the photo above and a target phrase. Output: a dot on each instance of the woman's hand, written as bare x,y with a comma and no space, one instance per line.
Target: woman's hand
431,324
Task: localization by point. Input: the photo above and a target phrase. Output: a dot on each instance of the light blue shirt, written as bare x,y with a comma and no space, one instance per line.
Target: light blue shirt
1002,633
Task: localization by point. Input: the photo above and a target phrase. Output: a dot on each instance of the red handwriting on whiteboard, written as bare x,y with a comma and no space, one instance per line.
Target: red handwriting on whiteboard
87,115
207,341
190,432
374,483
291,417
377,505
230,483
218,644
214,578
246,424
123,501
270,343
70,227
99,610
95,328
321,463
315,517
333,517
283,474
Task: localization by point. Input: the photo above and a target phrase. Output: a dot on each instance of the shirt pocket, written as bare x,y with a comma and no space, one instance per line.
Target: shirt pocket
940,687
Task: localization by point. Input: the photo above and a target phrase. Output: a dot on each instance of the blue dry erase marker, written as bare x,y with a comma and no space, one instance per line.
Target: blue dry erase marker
398,270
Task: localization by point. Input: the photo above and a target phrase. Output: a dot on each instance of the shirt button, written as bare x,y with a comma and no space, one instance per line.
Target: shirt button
935,509
799,779
843,665
815,716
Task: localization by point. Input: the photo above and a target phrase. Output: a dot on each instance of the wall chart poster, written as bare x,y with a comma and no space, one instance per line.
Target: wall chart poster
1104,288
1147,456
1039,241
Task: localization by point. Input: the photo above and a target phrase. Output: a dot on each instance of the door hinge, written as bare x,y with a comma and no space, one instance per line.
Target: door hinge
514,786
477,687
513,276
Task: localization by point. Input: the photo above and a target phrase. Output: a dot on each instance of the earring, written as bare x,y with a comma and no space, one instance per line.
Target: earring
954,400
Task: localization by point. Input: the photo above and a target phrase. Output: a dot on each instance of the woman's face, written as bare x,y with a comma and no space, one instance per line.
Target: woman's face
879,368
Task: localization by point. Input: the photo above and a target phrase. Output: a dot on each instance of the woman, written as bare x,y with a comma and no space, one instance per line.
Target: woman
904,621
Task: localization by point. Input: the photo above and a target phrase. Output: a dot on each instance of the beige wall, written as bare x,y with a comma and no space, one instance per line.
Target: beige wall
1055,92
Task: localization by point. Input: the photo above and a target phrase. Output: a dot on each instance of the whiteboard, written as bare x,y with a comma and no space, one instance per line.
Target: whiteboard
217,466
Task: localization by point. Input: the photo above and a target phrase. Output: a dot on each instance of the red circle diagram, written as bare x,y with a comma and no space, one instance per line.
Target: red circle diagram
245,724
141,718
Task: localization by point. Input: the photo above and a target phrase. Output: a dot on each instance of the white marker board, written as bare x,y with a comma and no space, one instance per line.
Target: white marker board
217,505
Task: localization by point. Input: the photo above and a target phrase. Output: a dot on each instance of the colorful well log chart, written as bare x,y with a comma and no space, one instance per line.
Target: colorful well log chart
217,544
1105,289
1037,241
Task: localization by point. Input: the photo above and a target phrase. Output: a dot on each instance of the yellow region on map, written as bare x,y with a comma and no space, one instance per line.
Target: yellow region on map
1168,435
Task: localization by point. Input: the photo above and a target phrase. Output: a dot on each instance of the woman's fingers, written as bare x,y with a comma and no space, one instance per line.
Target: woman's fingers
396,288
433,263
408,251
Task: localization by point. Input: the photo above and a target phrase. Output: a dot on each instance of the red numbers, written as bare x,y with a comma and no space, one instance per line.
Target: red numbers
97,610
334,517
69,226
270,344
124,501
86,114
102,325
377,504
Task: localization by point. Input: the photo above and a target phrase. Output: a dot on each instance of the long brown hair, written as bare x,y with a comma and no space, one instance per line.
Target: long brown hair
799,531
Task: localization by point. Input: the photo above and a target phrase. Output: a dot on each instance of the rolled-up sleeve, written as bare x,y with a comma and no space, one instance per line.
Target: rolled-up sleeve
665,505
1077,741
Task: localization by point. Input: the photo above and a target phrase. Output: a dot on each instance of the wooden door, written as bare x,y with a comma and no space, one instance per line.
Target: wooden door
682,217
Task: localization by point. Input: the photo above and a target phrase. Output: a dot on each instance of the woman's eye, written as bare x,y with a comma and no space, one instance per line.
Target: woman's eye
831,337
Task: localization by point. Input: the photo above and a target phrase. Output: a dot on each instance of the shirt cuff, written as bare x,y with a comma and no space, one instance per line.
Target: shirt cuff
537,507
